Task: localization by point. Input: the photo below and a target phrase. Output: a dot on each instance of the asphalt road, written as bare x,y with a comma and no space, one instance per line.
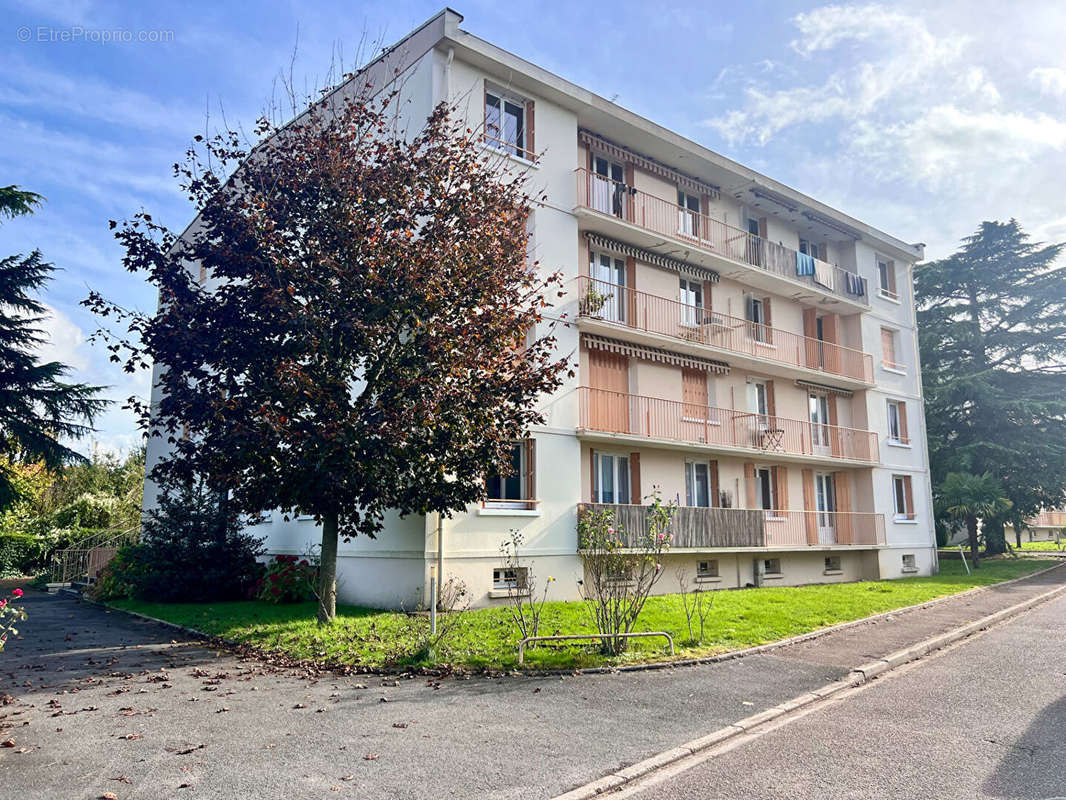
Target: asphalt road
985,719
99,702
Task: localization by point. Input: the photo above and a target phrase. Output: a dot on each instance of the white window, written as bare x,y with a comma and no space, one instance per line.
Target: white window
895,425
910,564
691,296
510,491
608,187
612,478
886,278
688,214
818,406
609,283
764,488
697,484
505,123
771,566
832,563
504,578
707,569
902,496
756,311
759,403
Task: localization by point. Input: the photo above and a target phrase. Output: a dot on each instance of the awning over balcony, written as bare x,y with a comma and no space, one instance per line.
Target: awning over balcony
821,387
594,342
606,146
650,257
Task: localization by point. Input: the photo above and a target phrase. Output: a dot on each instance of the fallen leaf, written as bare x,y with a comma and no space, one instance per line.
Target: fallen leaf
370,757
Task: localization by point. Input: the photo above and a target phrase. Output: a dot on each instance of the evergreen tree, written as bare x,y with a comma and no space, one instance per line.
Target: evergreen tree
992,332
38,409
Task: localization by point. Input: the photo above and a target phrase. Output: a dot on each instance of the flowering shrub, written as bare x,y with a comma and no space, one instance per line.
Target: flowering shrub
621,568
10,615
288,579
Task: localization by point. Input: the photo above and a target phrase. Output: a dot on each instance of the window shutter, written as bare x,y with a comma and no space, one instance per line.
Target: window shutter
749,311
705,231
635,496
903,436
908,492
781,488
891,265
706,301
768,320
593,486
844,526
771,401
530,149
810,519
531,470
630,291
762,228
835,440
715,498
810,330
888,346
630,201
749,484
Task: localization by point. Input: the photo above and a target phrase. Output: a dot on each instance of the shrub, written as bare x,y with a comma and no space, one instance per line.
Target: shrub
288,579
10,615
191,549
19,553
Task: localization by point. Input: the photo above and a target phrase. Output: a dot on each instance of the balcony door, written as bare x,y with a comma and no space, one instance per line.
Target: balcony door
607,186
825,498
691,297
820,432
609,281
609,393
612,480
688,215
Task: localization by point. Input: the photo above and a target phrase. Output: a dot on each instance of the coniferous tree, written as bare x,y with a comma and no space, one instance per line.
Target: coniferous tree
992,332
38,409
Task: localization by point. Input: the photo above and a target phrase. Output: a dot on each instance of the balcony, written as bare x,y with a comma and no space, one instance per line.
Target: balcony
1049,519
622,414
608,199
633,309
733,528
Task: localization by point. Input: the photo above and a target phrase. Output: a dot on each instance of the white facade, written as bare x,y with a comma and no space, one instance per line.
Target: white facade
447,64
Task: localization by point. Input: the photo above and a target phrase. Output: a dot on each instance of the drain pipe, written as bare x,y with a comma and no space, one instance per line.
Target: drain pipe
448,75
440,558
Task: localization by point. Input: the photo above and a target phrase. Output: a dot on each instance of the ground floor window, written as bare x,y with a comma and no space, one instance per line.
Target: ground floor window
504,578
832,563
707,569
910,564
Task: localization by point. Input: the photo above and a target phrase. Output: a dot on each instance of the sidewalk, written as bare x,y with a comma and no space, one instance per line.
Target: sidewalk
84,678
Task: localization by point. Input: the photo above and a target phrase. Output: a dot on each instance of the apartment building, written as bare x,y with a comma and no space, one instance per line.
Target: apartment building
744,349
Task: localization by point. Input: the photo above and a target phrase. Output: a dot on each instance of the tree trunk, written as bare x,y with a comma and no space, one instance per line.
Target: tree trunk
971,528
1018,536
995,537
327,570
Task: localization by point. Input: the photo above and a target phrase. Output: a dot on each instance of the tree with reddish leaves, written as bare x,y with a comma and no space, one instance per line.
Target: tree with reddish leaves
348,326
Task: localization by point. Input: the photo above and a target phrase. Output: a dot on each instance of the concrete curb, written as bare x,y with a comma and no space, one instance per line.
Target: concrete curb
651,665
858,676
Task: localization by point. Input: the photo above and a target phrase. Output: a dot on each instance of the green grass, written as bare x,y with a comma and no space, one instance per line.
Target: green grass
487,637
1041,547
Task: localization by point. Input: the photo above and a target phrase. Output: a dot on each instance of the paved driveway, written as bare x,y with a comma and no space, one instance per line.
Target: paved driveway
103,702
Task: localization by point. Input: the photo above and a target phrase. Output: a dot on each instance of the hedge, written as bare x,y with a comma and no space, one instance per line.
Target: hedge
18,554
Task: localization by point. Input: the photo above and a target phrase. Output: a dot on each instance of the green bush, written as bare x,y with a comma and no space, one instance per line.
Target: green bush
19,553
191,550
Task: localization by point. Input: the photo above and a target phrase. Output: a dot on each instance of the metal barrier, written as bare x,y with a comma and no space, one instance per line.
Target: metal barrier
522,644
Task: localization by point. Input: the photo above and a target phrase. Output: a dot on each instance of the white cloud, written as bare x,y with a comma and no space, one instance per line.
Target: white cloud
66,341
1051,80
893,54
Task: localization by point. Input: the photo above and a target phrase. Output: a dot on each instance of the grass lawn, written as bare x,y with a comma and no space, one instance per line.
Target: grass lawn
1041,547
487,637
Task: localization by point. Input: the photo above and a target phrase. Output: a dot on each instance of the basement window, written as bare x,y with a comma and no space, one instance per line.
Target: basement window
910,563
707,569
504,578
832,565
771,566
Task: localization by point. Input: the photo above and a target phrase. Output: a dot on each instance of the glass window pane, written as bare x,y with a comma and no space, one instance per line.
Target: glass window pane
607,479
701,484
622,470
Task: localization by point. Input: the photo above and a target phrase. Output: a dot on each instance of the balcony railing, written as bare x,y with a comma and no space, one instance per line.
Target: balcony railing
601,194
1049,519
617,412
648,312
704,528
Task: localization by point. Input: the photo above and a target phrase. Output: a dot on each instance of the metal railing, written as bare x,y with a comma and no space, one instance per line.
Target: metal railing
599,193
706,528
598,299
92,555
654,418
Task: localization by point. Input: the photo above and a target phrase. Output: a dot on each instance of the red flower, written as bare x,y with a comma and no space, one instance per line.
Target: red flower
17,593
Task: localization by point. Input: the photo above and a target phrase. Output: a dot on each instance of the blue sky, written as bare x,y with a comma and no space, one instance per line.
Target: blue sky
922,118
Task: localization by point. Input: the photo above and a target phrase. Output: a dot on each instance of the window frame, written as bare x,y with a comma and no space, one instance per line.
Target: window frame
901,495
691,476
520,582
619,486
499,142
772,566
707,570
526,477
833,565
895,410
